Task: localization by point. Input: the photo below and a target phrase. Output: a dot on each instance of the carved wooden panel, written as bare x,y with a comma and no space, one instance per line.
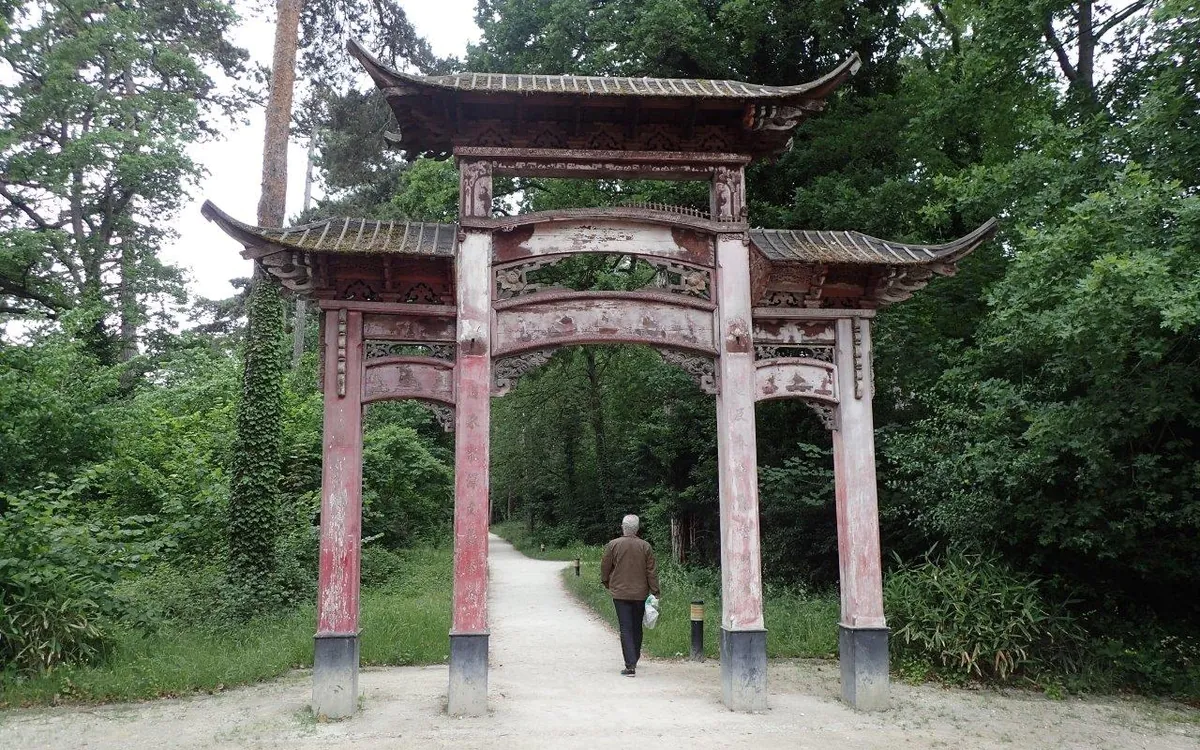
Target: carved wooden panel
408,377
538,275
796,378
582,318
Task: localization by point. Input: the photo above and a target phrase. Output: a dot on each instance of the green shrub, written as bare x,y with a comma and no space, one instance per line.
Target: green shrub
970,616
174,594
380,566
57,572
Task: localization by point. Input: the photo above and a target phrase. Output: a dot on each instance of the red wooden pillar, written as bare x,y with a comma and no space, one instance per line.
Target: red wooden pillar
743,635
863,638
335,659
472,388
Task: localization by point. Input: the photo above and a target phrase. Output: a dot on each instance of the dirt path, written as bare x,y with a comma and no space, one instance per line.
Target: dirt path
554,684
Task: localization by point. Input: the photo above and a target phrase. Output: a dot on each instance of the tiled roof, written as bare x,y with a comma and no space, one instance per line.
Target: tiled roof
345,236
604,86
856,248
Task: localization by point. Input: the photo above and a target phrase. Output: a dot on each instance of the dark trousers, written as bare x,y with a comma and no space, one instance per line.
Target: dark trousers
629,614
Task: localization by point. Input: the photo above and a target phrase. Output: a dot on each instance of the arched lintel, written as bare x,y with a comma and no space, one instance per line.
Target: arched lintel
408,377
796,378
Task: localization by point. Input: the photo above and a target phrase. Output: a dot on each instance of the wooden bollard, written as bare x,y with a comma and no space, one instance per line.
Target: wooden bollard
577,567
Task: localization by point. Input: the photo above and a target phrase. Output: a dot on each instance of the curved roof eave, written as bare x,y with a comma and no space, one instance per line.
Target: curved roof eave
856,248
396,82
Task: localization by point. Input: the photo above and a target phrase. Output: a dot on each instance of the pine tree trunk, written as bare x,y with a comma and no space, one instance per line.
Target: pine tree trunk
253,501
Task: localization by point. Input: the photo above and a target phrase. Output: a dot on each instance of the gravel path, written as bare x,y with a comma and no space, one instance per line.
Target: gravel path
555,684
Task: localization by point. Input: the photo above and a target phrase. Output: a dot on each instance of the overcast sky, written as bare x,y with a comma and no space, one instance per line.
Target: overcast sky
235,163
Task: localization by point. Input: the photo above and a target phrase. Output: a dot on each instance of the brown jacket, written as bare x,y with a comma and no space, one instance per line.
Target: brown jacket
628,569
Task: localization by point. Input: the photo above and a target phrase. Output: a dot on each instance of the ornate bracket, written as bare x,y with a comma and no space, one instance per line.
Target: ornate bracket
508,370
443,413
776,117
828,413
702,369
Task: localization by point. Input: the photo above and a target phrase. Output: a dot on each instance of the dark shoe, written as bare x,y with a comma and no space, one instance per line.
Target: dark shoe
628,672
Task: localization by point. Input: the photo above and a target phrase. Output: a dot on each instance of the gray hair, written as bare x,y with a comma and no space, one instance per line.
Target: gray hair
630,524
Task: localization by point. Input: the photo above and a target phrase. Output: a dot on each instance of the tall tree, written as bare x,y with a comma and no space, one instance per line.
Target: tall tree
97,110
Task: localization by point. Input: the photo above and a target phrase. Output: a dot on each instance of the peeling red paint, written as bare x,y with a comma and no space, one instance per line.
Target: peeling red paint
741,556
472,384
855,488
341,483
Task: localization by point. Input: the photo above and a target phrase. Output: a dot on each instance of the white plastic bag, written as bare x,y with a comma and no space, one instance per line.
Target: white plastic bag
650,619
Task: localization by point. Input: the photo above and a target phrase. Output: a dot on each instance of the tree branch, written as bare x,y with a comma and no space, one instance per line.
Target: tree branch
25,208
1064,60
1118,18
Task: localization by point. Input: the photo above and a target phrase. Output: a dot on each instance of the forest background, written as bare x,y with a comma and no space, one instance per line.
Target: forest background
1037,415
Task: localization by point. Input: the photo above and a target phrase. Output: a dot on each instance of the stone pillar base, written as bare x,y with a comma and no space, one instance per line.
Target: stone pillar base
335,676
744,669
863,653
468,674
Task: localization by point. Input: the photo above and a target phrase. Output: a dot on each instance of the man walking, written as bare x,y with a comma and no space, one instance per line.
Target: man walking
629,573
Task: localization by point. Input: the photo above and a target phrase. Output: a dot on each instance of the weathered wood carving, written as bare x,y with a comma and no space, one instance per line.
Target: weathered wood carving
341,353
776,351
702,369
507,371
378,349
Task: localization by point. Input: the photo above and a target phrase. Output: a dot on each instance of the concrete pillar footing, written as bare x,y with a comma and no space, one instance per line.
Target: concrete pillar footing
335,675
744,669
863,654
468,674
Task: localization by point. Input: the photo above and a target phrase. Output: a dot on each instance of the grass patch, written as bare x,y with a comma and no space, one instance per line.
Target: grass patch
404,621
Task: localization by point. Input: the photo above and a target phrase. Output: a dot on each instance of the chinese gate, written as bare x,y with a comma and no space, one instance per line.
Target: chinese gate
452,315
